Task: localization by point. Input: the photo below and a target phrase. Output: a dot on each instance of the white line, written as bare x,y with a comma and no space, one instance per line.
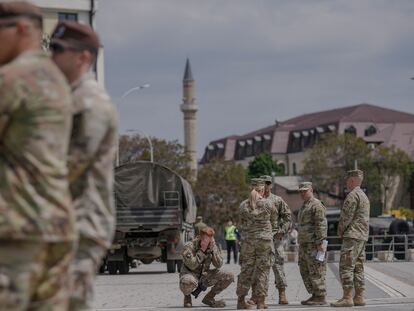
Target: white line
384,287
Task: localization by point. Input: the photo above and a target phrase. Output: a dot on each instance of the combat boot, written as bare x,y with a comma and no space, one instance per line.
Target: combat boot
211,302
242,304
252,301
261,302
346,300
359,297
282,296
317,301
306,302
187,301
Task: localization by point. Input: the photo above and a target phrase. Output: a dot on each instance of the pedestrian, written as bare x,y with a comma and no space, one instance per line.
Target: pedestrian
230,236
198,225
37,224
283,225
353,228
198,256
259,224
312,232
92,148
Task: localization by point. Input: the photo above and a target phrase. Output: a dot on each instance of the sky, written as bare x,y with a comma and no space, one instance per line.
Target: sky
254,61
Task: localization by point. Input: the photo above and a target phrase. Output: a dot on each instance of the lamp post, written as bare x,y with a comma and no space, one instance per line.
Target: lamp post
133,89
148,140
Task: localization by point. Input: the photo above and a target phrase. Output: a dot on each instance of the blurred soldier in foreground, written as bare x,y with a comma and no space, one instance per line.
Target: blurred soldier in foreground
258,218
199,224
198,255
91,154
36,216
312,231
283,225
353,228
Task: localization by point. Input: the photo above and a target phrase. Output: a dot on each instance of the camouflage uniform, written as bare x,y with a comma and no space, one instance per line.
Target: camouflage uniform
91,156
257,250
353,227
312,231
36,217
196,266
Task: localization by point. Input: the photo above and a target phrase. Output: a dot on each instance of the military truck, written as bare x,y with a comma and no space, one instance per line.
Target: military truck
155,212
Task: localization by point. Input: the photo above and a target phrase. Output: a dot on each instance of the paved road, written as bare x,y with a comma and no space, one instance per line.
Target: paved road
389,286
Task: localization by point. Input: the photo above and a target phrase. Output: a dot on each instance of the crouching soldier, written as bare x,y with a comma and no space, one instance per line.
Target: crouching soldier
196,274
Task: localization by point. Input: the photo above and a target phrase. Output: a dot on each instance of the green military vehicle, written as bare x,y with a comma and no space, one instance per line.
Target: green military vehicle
155,212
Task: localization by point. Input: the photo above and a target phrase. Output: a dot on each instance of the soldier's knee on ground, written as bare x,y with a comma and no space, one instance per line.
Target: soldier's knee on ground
188,284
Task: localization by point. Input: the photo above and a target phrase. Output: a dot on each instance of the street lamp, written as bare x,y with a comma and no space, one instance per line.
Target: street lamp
133,89
148,140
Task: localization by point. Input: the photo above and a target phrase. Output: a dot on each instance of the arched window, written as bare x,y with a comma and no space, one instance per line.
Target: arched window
351,130
282,168
370,130
294,169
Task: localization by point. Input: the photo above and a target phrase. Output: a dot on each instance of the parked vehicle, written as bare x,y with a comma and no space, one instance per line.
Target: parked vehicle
156,210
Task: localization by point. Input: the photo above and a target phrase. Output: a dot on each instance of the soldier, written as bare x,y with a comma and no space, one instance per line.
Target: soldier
312,231
199,224
91,154
353,228
259,224
230,236
198,255
283,225
37,230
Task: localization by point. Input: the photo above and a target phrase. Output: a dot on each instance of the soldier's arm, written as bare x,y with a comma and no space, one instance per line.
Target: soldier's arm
216,258
347,214
9,100
274,219
285,217
320,222
191,259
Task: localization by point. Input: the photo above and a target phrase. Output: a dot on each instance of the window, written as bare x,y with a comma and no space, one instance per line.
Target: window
351,130
68,17
294,169
371,130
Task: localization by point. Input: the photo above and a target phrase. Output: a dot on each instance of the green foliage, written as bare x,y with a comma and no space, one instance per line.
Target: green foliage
263,164
221,186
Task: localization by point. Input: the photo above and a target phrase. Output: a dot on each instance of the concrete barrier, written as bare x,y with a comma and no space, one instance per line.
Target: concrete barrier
410,254
385,256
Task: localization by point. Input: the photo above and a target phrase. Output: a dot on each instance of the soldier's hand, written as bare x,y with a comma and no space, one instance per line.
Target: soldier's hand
279,236
320,248
212,244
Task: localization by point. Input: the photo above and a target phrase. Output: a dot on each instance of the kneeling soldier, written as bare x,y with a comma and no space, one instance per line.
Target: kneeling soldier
198,255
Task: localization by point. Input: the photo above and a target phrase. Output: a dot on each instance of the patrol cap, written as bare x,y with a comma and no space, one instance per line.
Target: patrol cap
257,182
355,173
266,178
14,9
71,34
304,186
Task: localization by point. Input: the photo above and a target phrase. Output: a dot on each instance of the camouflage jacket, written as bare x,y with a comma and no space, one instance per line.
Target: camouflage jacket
35,123
91,157
283,212
258,223
312,222
354,219
196,261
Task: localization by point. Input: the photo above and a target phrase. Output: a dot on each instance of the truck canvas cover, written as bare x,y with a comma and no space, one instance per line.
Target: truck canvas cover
151,197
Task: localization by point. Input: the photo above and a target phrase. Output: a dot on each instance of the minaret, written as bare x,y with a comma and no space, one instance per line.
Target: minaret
189,108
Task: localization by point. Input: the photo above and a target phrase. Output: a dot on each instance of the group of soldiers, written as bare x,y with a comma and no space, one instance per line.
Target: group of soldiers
58,133
265,219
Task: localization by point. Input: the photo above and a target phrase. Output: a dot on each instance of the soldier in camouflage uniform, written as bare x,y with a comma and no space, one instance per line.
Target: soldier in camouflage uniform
91,155
37,230
198,255
283,226
353,228
313,229
258,218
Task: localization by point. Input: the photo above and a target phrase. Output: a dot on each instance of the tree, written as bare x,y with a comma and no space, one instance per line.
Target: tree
168,153
221,187
263,164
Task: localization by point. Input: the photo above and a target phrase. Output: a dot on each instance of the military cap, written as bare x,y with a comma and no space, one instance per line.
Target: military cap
199,218
257,182
355,173
13,9
75,35
306,185
266,178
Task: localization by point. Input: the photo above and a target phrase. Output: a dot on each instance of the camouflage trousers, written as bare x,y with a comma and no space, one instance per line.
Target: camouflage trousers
219,280
257,259
82,274
312,271
34,275
278,270
351,264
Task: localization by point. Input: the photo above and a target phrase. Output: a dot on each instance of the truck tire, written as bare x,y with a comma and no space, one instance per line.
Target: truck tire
179,264
123,267
112,267
170,266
